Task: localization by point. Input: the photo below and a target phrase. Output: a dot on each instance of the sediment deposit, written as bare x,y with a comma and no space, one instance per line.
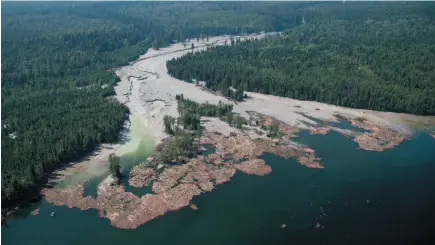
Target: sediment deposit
379,138
149,92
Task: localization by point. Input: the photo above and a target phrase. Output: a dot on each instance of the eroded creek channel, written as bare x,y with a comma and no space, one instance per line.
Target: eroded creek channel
360,197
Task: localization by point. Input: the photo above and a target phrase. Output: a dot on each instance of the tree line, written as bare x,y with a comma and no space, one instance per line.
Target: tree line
186,130
377,56
56,79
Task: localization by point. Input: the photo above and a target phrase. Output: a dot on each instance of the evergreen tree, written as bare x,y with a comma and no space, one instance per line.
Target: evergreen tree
114,166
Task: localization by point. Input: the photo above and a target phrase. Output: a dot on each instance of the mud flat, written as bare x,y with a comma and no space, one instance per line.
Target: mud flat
149,91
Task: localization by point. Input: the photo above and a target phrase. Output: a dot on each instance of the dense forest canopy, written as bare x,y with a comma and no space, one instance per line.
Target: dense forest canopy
57,56
378,56
55,79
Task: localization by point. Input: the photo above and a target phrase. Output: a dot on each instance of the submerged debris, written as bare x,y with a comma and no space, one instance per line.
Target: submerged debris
35,212
193,206
323,213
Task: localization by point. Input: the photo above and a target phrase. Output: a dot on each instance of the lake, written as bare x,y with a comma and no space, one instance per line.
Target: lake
360,197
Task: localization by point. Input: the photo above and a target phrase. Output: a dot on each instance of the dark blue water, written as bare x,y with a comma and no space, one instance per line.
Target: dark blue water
368,198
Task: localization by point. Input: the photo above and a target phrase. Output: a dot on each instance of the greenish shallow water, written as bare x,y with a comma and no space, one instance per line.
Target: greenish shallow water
398,185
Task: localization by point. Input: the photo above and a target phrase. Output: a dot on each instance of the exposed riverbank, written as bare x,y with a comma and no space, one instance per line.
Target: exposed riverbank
251,209
147,88
149,92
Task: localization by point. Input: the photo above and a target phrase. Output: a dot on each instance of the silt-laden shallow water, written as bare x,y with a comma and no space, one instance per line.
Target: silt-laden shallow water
367,198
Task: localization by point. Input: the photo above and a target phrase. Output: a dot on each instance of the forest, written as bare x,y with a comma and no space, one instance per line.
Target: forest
186,130
376,56
57,59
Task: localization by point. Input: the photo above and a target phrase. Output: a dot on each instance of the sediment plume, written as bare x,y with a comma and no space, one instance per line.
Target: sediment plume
175,186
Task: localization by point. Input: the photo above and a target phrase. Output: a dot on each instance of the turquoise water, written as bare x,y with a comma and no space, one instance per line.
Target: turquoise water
368,198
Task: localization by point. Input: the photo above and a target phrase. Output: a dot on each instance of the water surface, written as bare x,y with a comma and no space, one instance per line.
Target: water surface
368,198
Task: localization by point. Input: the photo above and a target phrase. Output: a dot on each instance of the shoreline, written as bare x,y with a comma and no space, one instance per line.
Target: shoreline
174,186
154,93
149,92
